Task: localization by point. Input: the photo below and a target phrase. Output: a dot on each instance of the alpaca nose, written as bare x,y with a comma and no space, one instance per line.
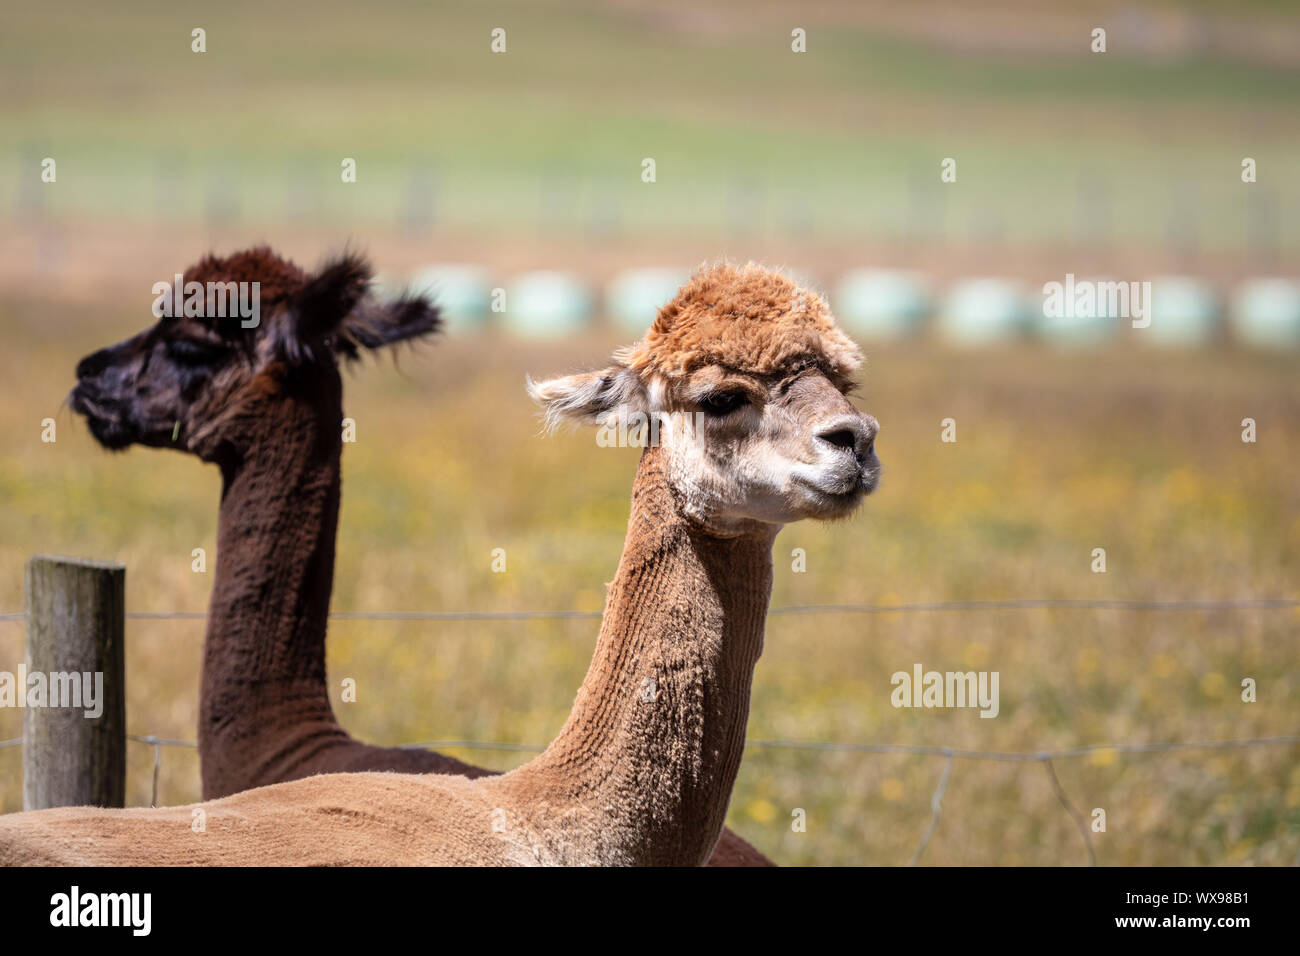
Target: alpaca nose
93,364
855,433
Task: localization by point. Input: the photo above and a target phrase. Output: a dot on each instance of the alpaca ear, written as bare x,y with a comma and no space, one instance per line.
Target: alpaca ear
595,398
318,310
374,325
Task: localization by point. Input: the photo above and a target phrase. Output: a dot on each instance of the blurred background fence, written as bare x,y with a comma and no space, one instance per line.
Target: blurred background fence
1127,161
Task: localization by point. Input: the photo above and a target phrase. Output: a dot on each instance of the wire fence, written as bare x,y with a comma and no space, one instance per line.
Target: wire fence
1030,604
1046,758
950,755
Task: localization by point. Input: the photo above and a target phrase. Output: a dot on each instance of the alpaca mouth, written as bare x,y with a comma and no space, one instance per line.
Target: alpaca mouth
870,476
842,483
833,499
107,428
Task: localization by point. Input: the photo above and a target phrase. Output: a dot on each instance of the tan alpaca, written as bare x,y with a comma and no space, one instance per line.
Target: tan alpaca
745,374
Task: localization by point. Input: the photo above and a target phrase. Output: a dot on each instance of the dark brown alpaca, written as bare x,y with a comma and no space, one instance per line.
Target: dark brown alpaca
265,405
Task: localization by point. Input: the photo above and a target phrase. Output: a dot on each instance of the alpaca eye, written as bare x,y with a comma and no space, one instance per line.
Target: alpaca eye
722,403
188,352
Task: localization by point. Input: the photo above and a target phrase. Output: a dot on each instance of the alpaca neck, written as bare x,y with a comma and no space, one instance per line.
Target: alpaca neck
264,700
656,733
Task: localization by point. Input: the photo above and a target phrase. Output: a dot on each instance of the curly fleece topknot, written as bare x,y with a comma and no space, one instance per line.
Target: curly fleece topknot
746,318
278,279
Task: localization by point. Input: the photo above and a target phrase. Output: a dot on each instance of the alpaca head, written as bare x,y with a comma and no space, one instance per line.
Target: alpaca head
744,376
202,383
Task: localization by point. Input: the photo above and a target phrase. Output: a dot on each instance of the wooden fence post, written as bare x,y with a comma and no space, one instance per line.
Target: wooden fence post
76,614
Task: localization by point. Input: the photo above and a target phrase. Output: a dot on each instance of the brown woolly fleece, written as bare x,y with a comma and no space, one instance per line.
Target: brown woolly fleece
627,781
747,318
265,715
632,778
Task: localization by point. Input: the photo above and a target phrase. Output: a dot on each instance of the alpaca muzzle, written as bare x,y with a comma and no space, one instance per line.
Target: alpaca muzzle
105,421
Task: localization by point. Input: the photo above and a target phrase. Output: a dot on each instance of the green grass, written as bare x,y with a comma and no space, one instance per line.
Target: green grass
844,140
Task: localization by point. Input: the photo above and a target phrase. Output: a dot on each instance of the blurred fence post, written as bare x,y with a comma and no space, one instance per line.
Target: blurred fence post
75,628
1262,226
417,207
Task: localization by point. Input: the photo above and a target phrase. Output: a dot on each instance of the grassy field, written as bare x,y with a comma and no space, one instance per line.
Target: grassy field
1134,451
1125,164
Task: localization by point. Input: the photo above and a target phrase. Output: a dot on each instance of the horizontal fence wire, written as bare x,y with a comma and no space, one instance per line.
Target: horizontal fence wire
1030,604
950,755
